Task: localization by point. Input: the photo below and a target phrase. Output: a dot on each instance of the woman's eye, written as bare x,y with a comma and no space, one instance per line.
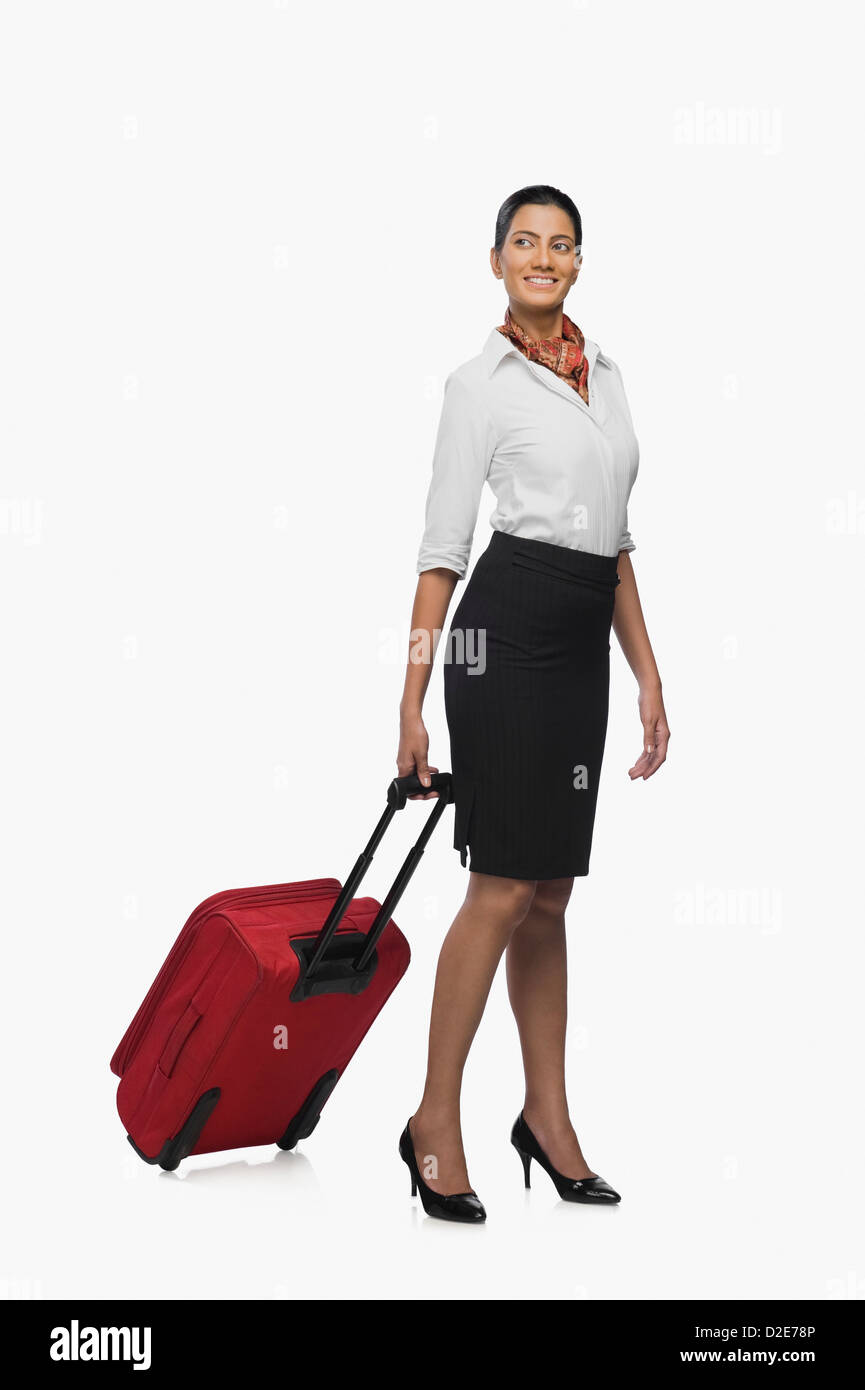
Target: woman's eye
559,246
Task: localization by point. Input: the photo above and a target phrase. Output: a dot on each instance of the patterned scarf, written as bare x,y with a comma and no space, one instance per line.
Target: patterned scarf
564,355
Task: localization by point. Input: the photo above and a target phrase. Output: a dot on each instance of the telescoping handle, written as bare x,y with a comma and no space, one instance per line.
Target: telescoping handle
400,789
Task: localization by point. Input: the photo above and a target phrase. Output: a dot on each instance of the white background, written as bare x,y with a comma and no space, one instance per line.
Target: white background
243,245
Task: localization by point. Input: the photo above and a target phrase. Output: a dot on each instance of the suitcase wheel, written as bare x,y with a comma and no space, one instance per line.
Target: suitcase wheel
309,1114
176,1149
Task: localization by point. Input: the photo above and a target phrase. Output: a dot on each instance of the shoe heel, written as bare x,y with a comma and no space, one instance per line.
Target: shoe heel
413,1186
527,1163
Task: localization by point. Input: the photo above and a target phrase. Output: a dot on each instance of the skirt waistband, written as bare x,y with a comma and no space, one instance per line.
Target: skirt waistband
582,563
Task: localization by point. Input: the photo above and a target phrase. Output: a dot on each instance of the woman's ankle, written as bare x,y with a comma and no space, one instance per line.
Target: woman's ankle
437,1118
554,1119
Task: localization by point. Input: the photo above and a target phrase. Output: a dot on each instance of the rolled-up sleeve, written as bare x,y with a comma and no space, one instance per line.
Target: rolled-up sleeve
464,447
626,541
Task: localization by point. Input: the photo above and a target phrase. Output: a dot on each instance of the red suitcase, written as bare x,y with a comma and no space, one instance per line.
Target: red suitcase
260,1006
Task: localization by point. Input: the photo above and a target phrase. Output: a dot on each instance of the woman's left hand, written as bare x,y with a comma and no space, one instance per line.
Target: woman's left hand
656,734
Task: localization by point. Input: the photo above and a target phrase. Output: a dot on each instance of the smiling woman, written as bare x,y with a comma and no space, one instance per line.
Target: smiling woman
541,415
543,254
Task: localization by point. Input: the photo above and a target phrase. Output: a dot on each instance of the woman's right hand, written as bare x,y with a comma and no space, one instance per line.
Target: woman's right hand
413,752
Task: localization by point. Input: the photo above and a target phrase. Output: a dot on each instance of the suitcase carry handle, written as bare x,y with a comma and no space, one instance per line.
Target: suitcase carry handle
399,790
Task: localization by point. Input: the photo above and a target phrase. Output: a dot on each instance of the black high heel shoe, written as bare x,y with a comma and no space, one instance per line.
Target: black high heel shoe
455,1206
590,1190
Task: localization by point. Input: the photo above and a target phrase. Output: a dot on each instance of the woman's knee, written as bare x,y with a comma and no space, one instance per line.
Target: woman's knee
552,895
509,899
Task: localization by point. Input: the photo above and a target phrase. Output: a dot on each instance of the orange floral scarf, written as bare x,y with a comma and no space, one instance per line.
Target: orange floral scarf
565,356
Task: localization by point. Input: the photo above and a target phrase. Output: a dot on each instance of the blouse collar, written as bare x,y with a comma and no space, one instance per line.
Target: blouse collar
498,346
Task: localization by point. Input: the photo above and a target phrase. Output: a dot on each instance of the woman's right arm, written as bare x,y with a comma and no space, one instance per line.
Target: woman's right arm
431,602
465,443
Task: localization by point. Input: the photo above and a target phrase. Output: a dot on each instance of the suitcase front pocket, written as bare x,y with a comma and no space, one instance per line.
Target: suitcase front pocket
156,1090
177,1040
214,977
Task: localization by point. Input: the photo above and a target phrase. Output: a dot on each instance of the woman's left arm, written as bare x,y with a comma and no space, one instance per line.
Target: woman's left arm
630,629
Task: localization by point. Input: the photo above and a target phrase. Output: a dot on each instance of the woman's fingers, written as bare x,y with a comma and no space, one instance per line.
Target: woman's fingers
644,762
650,741
424,772
659,751
639,767
413,755
655,738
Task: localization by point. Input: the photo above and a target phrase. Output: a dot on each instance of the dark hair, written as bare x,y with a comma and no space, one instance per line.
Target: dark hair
544,194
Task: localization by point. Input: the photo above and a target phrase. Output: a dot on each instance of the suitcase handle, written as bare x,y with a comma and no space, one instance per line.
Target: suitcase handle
401,788
397,794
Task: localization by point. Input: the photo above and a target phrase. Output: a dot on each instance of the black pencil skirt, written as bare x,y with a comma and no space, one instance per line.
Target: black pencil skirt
526,684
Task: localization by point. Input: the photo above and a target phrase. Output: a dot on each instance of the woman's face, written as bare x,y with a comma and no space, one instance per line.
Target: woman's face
537,260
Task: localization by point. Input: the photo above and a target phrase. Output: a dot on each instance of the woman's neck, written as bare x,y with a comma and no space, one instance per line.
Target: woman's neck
538,324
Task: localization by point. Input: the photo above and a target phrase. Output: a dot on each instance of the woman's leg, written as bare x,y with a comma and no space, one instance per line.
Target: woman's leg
537,975
493,909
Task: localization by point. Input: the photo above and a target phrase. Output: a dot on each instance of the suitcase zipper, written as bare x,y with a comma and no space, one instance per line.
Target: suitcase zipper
315,888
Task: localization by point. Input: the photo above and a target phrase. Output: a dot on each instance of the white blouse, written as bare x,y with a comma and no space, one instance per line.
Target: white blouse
560,470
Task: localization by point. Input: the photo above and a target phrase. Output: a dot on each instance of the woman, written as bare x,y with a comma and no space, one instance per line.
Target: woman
541,415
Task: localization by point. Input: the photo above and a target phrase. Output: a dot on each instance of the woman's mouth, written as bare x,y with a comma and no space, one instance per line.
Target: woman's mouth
543,282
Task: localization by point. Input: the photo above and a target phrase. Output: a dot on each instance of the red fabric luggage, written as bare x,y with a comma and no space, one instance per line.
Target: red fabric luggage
261,1004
